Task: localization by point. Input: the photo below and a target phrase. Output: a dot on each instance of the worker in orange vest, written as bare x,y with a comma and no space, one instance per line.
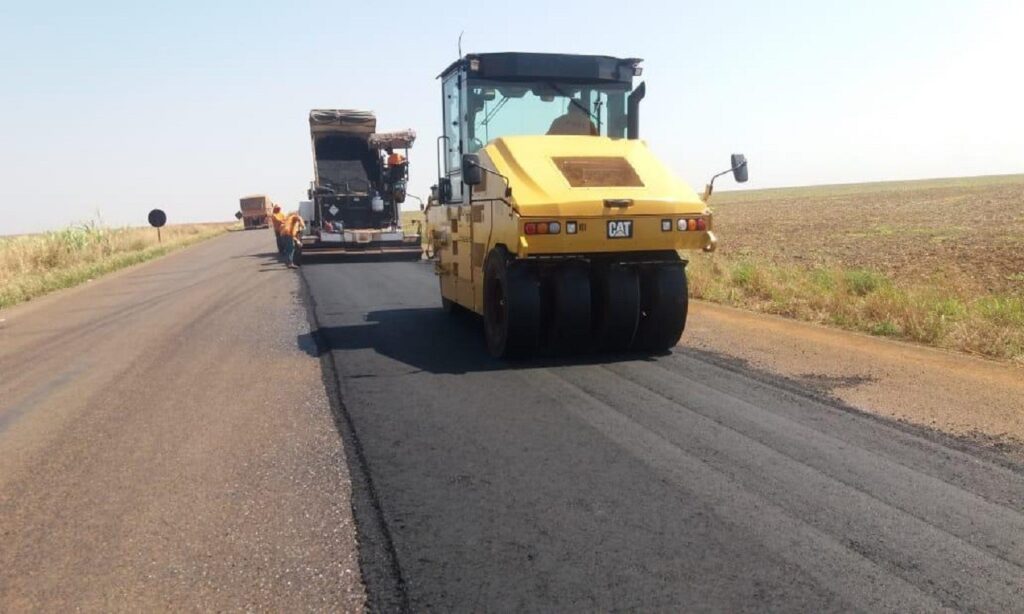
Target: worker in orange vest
277,219
396,165
292,234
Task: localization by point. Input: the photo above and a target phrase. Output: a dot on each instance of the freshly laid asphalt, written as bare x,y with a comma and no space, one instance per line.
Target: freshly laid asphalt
675,482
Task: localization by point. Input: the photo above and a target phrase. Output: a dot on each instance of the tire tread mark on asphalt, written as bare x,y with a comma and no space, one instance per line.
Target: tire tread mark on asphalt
988,519
950,452
970,468
927,438
386,589
817,553
919,543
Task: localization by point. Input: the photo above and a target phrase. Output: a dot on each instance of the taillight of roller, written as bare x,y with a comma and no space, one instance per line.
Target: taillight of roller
542,228
690,224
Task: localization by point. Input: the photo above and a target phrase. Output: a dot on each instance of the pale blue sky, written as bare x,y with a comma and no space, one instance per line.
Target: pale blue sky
124,106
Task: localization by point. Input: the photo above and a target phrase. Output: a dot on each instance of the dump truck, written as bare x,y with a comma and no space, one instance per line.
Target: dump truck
356,193
255,211
551,218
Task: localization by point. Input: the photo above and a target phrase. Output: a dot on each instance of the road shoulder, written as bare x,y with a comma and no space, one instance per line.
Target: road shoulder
973,399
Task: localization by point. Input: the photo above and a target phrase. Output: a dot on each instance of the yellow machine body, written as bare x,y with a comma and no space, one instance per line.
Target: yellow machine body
581,182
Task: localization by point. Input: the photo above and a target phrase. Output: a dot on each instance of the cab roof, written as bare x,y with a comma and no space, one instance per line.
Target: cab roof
516,66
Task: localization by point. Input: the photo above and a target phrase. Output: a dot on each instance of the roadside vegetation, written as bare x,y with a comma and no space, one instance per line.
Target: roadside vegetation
32,265
413,221
937,262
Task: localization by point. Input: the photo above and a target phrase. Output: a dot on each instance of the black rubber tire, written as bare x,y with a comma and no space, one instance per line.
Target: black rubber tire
616,300
511,307
297,257
449,306
568,321
663,306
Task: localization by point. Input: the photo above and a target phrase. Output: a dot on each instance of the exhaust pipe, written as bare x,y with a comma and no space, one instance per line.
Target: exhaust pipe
633,111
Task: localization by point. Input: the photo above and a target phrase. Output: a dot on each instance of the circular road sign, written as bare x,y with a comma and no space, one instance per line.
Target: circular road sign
157,218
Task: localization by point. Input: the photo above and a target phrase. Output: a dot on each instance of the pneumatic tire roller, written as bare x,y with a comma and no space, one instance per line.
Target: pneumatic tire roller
550,218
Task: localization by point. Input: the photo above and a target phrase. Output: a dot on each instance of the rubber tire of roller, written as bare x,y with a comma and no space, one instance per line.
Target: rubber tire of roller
569,322
512,329
449,306
663,304
616,300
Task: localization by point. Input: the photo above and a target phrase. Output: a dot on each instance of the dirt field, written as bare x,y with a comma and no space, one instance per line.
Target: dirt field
933,231
939,262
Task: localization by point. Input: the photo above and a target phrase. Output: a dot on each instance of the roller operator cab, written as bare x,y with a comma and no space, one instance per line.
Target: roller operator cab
550,217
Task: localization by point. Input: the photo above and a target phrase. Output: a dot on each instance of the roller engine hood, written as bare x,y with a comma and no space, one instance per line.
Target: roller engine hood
561,176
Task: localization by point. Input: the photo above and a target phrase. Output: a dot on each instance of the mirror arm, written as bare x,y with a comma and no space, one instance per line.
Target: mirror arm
710,187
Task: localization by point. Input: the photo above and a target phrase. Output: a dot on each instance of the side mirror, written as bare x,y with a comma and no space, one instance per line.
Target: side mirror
739,168
444,190
472,174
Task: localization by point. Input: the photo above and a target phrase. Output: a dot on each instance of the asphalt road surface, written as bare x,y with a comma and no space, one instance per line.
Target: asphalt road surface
166,444
181,436
679,482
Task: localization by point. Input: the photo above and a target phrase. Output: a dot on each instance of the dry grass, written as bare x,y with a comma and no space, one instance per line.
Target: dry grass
939,262
32,265
412,221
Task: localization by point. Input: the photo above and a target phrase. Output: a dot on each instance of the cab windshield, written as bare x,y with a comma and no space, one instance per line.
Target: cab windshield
503,108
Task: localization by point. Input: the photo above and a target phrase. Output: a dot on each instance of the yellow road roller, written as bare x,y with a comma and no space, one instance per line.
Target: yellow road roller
550,218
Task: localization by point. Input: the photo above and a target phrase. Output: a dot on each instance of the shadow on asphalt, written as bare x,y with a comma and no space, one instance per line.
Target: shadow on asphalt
264,256
312,258
430,339
317,259
269,261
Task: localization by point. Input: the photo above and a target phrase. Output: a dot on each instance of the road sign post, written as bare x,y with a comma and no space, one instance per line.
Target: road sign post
157,218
